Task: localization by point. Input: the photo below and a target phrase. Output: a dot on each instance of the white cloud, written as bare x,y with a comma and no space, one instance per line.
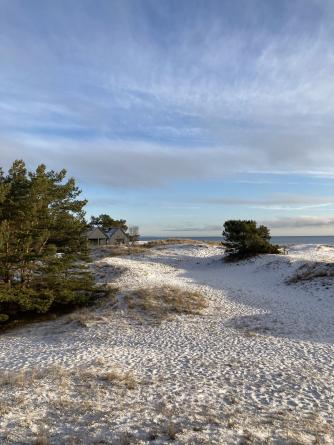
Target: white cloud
301,222
138,163
194,229
276,202
205,84
146,94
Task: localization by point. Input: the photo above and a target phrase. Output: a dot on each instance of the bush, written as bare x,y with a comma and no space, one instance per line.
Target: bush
244,239
3,318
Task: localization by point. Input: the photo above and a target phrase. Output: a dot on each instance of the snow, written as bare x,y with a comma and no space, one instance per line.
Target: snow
257,365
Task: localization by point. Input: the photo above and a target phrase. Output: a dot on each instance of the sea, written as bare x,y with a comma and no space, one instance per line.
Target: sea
281,240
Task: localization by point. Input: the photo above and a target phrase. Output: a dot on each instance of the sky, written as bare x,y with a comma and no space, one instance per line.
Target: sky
177,115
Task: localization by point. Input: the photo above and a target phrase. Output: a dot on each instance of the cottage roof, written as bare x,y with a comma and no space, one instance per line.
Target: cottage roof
96,233
112,230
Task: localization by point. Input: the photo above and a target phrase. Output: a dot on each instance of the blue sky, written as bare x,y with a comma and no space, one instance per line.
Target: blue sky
177,115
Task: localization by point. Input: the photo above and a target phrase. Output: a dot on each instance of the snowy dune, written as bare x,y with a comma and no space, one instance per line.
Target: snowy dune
256,367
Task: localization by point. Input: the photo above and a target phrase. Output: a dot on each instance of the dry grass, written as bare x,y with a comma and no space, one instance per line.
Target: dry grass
88,316
85,317
281,427
126,438
42,440
90,387
124,378
161,302
171,431
311,271
165,242
111,251
17,378
71,393
122,250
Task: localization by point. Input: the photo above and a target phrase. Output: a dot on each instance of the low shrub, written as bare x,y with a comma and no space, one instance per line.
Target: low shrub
244,239
4,318
41,297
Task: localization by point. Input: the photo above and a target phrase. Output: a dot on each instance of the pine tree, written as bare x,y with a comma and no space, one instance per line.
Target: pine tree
43,247
243,238
105,221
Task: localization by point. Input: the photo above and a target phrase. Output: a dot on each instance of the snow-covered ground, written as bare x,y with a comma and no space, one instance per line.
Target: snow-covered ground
256,367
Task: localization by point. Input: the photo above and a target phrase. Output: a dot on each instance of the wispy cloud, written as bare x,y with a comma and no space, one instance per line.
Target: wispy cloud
302,222
276,202
144,163
259,92
194,229
147,94
298,222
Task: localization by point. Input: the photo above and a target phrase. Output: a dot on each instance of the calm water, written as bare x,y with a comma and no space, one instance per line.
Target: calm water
283,240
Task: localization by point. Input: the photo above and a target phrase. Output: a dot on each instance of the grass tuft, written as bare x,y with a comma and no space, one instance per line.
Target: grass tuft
42,440
166,242
160,303
111,251
124,378
84,317
311,271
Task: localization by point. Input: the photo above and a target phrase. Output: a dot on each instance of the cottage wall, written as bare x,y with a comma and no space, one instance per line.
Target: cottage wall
119,237
96,237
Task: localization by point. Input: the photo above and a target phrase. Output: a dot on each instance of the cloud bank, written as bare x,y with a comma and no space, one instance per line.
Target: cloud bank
145,81
148,95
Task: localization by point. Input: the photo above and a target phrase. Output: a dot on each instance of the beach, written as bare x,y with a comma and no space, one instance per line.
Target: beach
255,366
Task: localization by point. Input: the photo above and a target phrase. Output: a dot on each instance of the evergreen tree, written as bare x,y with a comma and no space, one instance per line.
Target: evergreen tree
243,239
105,221
42,241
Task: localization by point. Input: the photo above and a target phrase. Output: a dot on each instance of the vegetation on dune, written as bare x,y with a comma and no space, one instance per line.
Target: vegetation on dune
311,271
163,242
244,239
117,250
159,303
43,248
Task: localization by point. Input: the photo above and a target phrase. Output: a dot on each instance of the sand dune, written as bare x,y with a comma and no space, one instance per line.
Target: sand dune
255,367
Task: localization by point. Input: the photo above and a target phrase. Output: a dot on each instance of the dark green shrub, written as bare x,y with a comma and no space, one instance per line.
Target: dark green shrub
3,318
244,239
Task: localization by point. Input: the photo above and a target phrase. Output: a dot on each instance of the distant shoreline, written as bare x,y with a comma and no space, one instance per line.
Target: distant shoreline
282,240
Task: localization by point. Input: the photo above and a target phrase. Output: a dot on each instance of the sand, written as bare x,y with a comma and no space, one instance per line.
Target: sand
256,367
